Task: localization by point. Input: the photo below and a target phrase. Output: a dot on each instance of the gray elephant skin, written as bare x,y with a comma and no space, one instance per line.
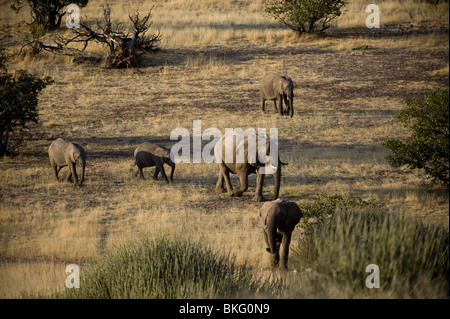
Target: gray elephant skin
278,89
278,219
149,155
250,165
62,153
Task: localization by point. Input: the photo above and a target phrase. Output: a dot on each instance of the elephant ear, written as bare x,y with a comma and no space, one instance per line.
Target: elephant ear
279,85
224,149
251,150
71,152
256,148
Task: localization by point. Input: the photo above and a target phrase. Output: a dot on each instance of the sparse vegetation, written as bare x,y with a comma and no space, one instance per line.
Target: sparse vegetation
166,267
353,234
214,54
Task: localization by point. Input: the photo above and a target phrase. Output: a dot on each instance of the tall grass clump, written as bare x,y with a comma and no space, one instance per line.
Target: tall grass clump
412,258
165,267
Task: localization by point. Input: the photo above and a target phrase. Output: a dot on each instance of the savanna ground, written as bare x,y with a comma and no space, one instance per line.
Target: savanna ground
349,84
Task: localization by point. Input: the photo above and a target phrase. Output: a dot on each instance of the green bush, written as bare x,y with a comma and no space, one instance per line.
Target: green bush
428,145
407,252
47,13
18,102
324,204
304,15
166,267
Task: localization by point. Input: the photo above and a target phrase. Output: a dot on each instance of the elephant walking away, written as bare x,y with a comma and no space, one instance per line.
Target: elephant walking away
149,155
278,89
62,153
278,219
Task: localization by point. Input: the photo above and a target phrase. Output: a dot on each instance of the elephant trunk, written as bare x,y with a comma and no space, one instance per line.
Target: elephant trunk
83,166
277,181
291,104
273,244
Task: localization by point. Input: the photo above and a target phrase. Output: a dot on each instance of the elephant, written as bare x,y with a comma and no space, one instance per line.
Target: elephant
244,163
278,219
149,155
278,88
62,153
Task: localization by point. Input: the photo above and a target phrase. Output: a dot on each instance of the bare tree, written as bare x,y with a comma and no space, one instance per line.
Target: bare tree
123,48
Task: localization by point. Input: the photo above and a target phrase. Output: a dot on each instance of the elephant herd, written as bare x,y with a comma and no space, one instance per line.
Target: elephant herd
278,217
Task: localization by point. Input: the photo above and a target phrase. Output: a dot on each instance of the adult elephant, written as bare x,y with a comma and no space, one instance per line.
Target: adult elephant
278,89
233,155
62,153
278,219
149,155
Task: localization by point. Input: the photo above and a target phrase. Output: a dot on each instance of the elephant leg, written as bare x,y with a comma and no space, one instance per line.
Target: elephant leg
56,169
219,184
259,187
280,102
160,167
141,173
155,175
286,241
263,104
69,176
135,171
74,172
243,178
275,105
226,176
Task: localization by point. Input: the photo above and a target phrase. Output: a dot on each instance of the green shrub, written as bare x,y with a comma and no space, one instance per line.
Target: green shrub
47,13
165,267
304,15
428,145
407,252
324,204
18,103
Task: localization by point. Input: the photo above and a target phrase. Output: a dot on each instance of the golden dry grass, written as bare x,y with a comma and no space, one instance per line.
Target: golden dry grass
214,53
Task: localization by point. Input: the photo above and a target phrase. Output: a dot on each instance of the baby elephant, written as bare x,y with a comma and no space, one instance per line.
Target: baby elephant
62,153
278,89
149,155
278,219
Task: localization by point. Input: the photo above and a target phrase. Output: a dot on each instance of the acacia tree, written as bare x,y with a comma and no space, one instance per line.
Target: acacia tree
428,145
18,103
304,16
47,13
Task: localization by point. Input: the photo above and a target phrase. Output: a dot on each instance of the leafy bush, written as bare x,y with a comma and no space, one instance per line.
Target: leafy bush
165,268
47,13
304,15
324,204
18,102
428,145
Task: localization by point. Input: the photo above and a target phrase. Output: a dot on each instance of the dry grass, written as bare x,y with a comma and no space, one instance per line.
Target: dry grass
214,53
